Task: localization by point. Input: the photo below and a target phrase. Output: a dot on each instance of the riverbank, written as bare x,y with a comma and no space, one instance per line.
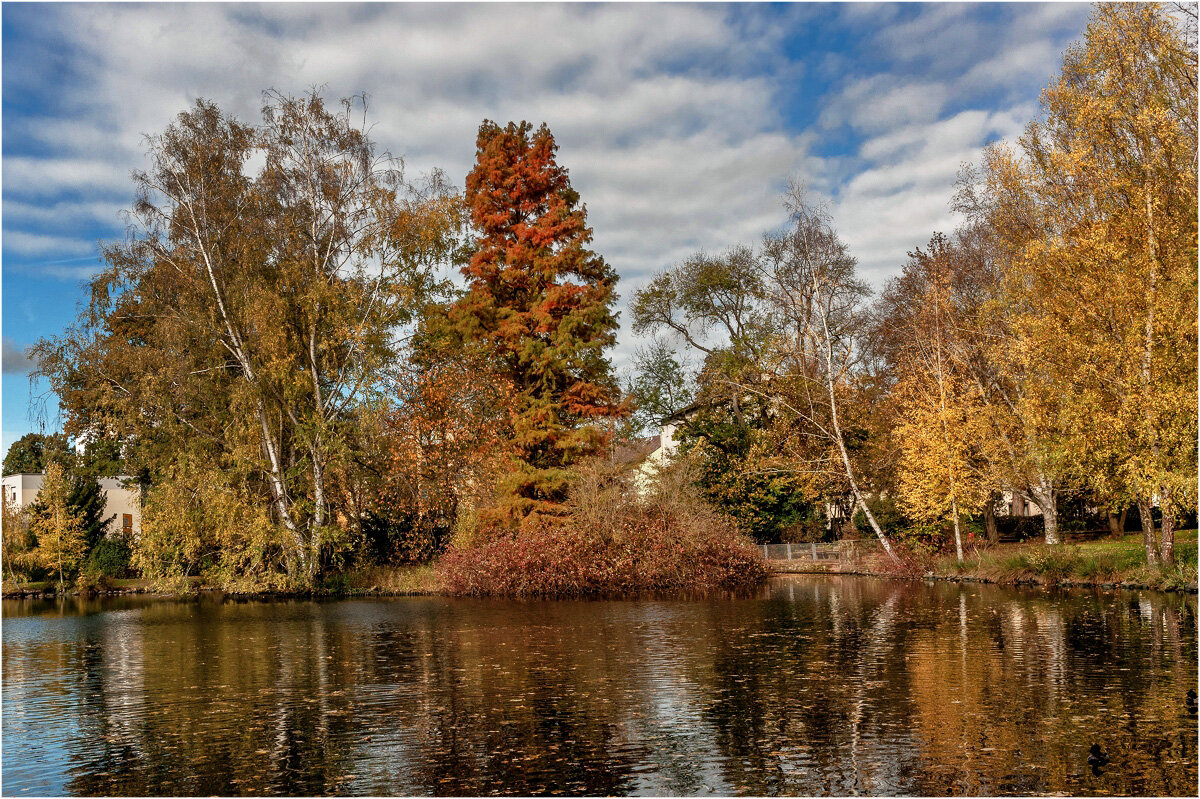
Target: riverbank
1106,563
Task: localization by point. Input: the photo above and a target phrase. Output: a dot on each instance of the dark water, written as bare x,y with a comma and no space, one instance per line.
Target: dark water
820,685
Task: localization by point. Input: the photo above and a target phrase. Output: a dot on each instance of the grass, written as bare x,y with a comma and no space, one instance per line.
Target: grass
396,580
1107,560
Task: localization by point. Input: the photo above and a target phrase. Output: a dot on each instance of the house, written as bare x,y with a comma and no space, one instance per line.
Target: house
658,452
120,501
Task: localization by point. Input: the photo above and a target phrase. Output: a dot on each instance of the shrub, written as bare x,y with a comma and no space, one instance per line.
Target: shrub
196,522
91,582
609,542
110,557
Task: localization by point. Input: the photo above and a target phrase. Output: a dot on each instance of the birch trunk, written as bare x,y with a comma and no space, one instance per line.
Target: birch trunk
1145,511
1043,495
839,440
1166,555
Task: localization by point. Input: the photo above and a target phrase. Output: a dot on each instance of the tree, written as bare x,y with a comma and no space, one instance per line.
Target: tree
61,538
815,358
30,453
780,329
539,302
33,452
249,314
16,540
1097,210
927,328
660,385
88,502
442,447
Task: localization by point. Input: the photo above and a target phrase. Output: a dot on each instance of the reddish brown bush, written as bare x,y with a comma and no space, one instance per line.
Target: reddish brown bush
609,541
652,552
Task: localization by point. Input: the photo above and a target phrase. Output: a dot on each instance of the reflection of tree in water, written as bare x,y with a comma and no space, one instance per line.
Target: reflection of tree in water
848,686
514,709
1046,677
798,702
230,708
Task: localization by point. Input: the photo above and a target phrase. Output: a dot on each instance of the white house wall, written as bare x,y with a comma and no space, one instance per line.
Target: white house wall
123,503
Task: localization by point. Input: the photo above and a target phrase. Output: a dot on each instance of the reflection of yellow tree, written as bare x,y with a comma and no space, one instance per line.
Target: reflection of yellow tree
1011,702
834,686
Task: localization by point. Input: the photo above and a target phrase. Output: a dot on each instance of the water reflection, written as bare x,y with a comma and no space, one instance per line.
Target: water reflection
820,685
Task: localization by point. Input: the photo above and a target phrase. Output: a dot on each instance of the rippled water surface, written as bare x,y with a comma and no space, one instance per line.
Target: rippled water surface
819,685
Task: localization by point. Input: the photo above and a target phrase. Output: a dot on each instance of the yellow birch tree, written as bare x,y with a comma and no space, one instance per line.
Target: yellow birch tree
1099,210
61,540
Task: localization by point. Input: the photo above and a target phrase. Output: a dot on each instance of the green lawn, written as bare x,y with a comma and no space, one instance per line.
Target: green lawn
1105,560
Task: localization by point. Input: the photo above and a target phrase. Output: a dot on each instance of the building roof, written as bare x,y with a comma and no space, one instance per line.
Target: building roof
635,450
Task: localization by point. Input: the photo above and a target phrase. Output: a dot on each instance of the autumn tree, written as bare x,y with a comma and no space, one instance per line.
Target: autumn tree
440,447
16,540
539,303
814,366
927,317
780,328
249,311
1097,208
60,534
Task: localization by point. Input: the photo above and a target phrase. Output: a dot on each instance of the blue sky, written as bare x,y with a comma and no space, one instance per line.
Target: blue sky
680,123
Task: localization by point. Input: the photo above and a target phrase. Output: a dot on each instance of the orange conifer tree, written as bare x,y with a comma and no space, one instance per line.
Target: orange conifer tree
539,302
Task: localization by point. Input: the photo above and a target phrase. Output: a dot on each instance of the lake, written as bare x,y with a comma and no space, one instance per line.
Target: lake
815,685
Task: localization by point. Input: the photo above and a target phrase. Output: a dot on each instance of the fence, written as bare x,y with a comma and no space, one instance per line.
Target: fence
836,551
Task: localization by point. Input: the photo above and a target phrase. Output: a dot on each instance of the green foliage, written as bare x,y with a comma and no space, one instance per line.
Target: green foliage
733,475
87,502
30,453
111,557
888,513
660,387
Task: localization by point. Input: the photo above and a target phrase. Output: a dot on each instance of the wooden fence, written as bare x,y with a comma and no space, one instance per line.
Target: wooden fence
835,552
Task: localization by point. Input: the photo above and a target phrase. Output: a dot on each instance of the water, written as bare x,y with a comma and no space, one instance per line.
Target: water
819,685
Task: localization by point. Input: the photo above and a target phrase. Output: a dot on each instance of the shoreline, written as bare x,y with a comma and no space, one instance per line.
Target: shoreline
775,569
779,569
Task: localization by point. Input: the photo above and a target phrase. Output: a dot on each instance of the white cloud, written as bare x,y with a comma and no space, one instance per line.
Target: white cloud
667,115
38,244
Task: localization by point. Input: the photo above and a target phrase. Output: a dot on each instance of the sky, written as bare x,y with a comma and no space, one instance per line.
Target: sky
680,124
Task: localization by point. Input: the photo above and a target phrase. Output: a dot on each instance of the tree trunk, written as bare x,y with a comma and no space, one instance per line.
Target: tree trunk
1043,495
1151,545
838,439
958,550
1116,523
1166,553
989,520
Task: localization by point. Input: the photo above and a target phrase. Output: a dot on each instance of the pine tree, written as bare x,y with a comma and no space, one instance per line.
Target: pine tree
539,301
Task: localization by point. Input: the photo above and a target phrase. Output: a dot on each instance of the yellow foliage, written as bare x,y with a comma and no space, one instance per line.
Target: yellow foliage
61,539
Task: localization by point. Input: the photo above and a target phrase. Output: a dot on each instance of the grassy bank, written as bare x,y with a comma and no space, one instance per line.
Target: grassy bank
1105,562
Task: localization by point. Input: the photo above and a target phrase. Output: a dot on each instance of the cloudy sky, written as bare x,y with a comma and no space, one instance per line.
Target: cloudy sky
680,123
